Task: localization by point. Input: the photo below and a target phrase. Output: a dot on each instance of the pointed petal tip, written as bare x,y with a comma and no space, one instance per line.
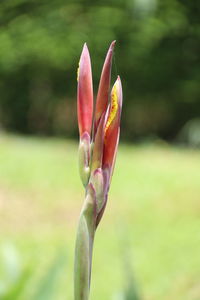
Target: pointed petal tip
118,80
85,48
112,45
118,86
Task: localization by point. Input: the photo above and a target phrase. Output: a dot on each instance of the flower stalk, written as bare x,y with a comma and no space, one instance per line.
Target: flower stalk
99,137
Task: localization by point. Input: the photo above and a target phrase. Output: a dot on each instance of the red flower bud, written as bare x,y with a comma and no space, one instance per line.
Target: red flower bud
85,93
112,127
104,87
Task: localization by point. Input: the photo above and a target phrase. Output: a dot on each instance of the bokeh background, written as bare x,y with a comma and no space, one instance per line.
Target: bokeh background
148,244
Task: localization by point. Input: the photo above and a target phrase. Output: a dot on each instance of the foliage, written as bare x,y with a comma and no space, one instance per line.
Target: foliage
16,277
157,56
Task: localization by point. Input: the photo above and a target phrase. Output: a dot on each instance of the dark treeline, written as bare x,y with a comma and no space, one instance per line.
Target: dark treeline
157,55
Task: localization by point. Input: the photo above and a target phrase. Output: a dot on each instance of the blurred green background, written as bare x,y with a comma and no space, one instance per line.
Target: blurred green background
147,245
157,57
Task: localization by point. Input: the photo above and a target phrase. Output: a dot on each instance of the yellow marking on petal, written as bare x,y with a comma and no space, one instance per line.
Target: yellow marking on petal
78,73
114,108
78,69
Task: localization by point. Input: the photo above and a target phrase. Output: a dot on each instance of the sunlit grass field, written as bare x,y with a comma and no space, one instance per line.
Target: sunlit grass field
149,236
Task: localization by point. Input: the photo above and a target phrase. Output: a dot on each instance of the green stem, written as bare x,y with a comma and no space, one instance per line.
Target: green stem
83,249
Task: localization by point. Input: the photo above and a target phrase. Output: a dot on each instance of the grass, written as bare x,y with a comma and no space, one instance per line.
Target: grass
149,233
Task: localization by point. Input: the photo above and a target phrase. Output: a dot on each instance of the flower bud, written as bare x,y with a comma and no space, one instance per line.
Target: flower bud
85,92
104,88
112,128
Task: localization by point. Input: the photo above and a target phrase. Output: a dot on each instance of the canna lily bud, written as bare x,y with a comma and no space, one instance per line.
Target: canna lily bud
96,159
112,128
85,113
104,87
85,93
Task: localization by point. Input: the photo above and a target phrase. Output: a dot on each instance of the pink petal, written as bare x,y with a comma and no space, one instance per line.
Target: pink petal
112,127
104,87
85,92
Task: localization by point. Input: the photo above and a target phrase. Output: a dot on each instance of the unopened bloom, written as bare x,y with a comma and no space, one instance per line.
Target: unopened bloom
104,121
85,112
99,131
